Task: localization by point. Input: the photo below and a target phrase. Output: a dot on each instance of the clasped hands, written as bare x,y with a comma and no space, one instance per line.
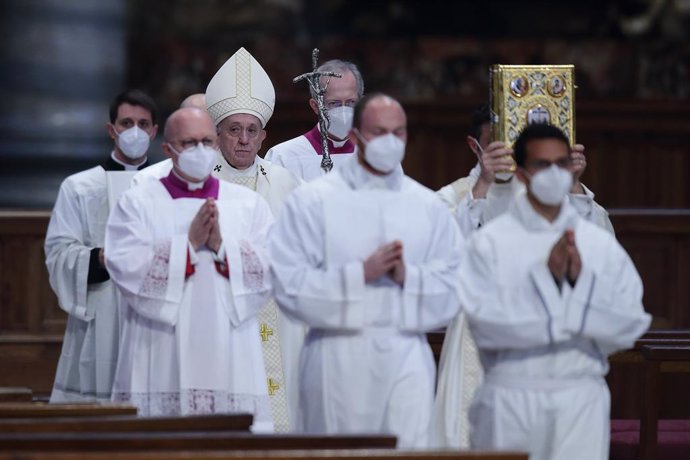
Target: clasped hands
205,229
564,260
386,260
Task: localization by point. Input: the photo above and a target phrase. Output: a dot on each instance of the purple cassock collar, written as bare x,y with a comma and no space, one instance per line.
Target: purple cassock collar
177,188
314,138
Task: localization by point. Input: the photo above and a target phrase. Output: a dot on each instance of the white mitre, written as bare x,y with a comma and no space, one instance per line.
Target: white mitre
241,86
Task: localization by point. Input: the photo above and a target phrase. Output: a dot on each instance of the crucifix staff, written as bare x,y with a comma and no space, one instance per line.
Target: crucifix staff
313,78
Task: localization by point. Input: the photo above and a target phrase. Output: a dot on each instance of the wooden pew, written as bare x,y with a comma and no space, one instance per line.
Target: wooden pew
15,394
185,440
660,359
355,454
33,410
127,423
657,352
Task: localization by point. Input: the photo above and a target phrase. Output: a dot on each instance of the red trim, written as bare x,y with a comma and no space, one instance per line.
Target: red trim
189,269
223,268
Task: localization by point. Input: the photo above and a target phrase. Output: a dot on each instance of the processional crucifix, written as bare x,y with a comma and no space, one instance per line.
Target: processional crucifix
314,80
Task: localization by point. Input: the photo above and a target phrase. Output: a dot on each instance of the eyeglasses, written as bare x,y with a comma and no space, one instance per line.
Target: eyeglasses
538,165
333,104
191,143
236,131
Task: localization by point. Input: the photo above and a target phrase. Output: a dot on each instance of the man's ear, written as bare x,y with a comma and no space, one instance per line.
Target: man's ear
154,131
167,151
314,106
472,143
521,174
111,131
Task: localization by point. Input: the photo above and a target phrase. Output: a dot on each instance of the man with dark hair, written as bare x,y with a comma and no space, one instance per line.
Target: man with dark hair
74,253
302,155
482,196
366,364
488,189
548,296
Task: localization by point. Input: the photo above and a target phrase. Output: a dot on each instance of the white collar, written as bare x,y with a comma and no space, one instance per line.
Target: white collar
524,212
250,171
360,179
127,167
191,186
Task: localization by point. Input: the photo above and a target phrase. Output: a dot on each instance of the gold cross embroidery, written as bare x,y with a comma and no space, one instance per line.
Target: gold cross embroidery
272,387
265,332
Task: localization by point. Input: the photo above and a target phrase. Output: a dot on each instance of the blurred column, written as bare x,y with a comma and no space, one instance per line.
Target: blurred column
62,62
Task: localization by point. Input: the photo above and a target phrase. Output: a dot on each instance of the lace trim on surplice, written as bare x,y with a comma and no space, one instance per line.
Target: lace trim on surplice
155,284
252,268
190,402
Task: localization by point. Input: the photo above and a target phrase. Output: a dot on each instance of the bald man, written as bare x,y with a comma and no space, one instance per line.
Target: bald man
197,100
190,342
366,364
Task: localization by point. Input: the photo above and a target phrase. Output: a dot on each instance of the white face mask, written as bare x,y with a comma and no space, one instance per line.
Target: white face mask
340,121
197,162
384,153
133,142
551,185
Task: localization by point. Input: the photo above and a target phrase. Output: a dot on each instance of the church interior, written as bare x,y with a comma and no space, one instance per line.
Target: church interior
63,61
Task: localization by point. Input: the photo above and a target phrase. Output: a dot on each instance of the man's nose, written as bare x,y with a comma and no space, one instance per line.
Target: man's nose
244,136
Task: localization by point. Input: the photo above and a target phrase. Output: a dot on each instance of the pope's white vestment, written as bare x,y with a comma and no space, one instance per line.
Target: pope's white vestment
366,365
544,349
190,341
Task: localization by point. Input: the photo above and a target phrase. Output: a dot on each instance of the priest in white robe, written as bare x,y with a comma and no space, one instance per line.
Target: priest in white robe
548,296
241,108
302,155
187,253
484,194
74,255
369,281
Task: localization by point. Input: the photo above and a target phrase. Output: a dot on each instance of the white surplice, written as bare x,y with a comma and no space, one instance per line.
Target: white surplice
298,156
190,345
89,352
544,350
274,183
366,365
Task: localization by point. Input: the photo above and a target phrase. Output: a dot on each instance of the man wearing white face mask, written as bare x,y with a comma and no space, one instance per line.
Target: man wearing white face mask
368,281
74,255
488,190
302,155
548,296
187,252
475,200
240,98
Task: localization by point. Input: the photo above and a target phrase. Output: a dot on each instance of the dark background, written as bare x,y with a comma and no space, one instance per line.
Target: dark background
62,62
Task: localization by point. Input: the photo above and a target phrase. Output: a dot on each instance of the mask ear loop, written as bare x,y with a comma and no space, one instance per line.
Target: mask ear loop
479,147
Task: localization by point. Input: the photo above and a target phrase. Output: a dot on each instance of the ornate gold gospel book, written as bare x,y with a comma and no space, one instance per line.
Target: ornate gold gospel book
522,94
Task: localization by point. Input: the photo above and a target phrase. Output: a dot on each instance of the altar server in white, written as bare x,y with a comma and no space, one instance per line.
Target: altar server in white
367,258
187,253
74,254
548,296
